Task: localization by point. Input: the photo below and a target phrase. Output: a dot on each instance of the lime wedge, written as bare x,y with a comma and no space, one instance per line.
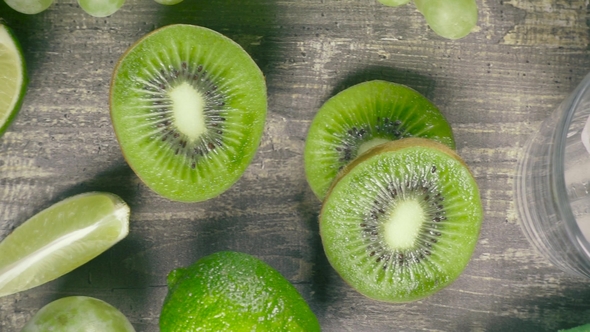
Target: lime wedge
61,238
29,7
13,78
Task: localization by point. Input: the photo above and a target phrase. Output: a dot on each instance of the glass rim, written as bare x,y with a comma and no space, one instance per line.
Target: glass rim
563,207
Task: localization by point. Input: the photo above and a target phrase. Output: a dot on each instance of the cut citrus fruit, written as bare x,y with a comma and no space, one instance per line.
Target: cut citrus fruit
61,238
13,77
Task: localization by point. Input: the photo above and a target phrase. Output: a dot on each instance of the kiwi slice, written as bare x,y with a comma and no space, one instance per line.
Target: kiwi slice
363,116
188,107
401,221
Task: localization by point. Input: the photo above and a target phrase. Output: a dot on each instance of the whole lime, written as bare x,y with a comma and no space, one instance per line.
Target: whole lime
232,291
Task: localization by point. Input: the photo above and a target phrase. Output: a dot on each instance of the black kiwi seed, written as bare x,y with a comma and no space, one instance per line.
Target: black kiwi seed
421,190
156,93
354,137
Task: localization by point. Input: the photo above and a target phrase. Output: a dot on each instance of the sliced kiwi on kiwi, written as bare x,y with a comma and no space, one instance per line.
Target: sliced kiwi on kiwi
188,107
401,221
363,116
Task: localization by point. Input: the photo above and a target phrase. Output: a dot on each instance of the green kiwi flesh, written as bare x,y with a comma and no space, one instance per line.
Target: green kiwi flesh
363,116
188,107
402,221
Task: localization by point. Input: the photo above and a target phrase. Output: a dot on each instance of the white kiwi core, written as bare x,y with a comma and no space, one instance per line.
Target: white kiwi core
188,107
365,146
402,225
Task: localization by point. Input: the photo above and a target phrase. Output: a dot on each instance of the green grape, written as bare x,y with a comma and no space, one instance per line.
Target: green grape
101,8
168,2
78,314
452,19
29,6
394,3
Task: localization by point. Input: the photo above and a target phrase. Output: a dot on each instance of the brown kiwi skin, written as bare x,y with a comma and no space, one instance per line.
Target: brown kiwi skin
394,146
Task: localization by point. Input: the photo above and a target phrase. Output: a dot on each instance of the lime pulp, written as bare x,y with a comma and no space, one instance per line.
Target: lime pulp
61,238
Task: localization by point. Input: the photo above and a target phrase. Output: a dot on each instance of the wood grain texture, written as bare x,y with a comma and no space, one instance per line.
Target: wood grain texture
495,87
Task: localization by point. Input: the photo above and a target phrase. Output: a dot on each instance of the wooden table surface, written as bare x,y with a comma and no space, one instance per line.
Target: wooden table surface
495,87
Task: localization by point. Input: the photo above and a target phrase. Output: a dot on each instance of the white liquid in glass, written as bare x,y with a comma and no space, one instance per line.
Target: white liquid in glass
577,168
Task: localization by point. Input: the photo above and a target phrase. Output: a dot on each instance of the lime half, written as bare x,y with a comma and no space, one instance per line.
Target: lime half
61,238
13,78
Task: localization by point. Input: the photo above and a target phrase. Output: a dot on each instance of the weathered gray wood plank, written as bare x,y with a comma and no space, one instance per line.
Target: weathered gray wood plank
494,86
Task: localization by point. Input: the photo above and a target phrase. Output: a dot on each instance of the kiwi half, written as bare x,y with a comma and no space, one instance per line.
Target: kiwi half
401,222
363,116
188,107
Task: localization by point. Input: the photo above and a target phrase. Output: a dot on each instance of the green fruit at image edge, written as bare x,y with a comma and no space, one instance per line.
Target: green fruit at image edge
232,291
29,7
13,77
452,19
78,314
394,3
61,238
583,328
101,8
168,2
